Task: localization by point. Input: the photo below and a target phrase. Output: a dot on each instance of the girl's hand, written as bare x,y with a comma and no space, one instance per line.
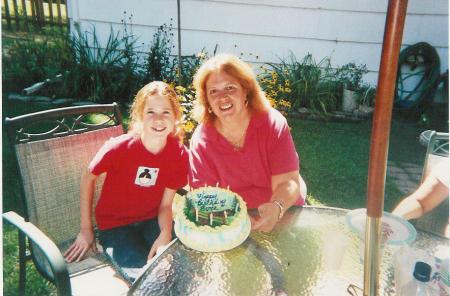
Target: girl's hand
163,239
268,217
85,241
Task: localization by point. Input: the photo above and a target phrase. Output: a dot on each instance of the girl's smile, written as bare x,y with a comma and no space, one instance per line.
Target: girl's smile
158,118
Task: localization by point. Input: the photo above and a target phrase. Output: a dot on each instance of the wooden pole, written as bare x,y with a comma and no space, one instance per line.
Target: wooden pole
383,106
180,63
58,5
25,15
16,15
33,11
50,11
381,125
7,14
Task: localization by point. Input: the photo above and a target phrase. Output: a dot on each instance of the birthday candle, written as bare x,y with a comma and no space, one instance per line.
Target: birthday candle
196,214
237,208
211,219
217,184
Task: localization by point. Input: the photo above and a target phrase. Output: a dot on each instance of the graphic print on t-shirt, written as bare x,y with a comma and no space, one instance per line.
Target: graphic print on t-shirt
146,176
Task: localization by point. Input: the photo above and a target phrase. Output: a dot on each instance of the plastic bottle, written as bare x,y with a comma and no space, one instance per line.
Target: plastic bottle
418,286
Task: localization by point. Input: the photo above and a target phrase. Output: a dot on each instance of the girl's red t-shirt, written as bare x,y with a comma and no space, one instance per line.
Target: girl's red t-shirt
135,179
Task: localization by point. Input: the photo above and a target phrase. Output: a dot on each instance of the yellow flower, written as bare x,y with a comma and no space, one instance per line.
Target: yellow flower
201,55
188,126
180,89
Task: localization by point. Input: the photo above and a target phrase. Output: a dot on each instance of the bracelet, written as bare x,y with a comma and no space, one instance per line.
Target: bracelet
281,206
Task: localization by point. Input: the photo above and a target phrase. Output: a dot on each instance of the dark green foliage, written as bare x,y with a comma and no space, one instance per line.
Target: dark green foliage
159,65
102,74
34,58
311,84
350,75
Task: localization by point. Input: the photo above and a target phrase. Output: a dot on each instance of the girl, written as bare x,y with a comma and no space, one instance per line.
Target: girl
144,168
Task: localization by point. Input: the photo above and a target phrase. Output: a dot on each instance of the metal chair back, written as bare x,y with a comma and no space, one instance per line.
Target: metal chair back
52,149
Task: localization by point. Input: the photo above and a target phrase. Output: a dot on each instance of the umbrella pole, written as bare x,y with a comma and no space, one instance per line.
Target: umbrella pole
180,62
381,125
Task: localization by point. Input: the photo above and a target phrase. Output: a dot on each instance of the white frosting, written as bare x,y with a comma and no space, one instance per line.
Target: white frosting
213,239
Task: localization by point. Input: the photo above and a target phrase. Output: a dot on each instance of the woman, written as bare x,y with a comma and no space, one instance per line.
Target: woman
242,143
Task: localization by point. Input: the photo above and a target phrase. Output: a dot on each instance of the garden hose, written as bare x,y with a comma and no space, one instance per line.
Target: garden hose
423,65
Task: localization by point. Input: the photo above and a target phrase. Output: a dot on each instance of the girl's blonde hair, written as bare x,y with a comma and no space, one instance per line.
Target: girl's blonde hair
236,68
155,88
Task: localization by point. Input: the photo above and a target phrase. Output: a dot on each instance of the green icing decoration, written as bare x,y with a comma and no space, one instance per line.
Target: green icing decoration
208,201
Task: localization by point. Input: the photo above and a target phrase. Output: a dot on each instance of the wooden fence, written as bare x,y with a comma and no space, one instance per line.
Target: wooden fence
20,14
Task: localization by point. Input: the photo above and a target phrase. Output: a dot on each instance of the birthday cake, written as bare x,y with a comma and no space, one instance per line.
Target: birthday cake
212,219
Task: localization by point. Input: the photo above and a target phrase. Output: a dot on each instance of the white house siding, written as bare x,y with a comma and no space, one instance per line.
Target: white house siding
345,30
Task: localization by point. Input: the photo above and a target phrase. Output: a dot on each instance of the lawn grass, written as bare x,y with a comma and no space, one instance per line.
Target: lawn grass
335,157
334,161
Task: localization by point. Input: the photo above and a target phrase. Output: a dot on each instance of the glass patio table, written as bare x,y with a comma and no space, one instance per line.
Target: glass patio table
303,255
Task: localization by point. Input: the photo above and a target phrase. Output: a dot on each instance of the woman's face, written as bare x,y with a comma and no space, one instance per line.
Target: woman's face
225,95
158,118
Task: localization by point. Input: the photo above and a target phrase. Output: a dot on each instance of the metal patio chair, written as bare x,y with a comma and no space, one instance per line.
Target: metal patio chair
437,150
52,148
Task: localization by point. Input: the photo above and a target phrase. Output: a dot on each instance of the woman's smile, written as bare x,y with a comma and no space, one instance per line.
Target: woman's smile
225,95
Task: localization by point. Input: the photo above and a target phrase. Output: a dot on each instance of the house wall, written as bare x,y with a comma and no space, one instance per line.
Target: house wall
267,30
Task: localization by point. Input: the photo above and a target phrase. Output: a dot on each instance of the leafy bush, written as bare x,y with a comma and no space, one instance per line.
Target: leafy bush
35,58
159,65
102,74
350,75
304,83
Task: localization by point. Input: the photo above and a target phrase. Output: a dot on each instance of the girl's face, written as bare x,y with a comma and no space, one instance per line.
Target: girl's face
158,118
225,95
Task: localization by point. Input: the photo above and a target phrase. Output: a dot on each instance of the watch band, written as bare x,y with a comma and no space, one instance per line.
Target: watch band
281,206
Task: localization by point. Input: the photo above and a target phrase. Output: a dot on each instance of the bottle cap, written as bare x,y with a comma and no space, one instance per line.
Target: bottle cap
422,271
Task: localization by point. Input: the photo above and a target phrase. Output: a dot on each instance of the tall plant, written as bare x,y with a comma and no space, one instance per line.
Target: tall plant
35,58
103,73
159,65
304,83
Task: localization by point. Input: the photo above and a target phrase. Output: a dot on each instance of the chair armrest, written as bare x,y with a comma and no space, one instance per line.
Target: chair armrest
48,247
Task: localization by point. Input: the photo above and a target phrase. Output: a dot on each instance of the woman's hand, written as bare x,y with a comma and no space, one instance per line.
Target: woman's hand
163,239
268,217
84,242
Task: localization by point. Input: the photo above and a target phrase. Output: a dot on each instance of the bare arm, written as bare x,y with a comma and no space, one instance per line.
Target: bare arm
286,189
164,222
85,239
429,195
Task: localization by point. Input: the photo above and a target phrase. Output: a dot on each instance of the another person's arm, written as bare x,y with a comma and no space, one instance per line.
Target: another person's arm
85,239
164,222
429,195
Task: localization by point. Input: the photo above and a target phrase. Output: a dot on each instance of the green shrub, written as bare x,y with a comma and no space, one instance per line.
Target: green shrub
159,65
35,58
304,83
102,74
350,76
